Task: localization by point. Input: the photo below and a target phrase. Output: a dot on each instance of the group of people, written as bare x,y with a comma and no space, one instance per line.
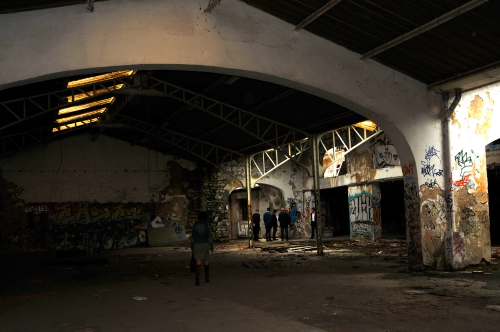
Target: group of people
202,244
287,221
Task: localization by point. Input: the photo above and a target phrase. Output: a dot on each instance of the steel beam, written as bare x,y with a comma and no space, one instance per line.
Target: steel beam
270,132
347,139
317,14
249,185
423,28
317,198
211,153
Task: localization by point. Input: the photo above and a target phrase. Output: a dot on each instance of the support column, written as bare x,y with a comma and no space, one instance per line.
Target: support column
248,177
315,172
454,242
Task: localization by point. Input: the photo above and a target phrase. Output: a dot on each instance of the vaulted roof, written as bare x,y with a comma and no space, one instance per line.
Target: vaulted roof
446,44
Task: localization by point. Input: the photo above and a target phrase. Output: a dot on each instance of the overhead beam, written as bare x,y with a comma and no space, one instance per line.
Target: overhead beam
211,153
317,14
423,28
140,81
211,5
164,122
270,132
470,80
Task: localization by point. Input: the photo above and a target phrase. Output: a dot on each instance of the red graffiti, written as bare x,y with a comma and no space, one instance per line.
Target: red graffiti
408,169
463,182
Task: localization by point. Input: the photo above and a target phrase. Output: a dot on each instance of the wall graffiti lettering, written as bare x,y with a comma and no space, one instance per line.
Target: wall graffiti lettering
458,247
114,225
468,221
361,214
410,191
36,209
432,249
385,152
428,168
431,184
408,169
465,162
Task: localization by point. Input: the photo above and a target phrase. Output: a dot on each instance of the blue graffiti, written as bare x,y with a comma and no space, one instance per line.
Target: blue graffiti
429,169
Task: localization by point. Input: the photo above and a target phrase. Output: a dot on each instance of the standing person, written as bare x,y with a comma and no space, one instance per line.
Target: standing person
256,225
314,222
274,223
268,224
284,222
201,245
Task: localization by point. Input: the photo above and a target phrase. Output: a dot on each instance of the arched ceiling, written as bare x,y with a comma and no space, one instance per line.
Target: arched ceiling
445,44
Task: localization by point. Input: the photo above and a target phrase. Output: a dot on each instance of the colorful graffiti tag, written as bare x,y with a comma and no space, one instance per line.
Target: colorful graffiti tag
361,214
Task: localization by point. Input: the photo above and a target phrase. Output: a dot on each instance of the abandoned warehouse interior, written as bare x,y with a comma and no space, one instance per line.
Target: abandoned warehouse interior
124,152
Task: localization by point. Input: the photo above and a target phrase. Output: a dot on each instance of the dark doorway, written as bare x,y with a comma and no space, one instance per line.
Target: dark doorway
494,204
335,209
392,207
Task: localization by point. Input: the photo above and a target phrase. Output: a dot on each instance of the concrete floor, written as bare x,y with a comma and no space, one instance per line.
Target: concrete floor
352,287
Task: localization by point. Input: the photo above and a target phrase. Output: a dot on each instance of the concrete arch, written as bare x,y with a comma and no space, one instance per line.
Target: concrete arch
235,39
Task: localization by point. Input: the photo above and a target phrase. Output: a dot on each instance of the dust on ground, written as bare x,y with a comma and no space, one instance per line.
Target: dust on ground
353,286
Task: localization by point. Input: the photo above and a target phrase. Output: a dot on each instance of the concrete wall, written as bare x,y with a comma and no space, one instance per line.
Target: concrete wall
473,127
75,185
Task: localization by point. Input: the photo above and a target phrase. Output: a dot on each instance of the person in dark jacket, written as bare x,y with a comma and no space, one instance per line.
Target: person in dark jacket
284,219
274,223
201,245
268,224
256,225
314,222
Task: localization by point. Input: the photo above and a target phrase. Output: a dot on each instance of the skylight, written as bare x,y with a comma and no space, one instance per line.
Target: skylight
100,78
75,116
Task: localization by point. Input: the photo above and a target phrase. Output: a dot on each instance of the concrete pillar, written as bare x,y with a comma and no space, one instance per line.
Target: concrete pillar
364,212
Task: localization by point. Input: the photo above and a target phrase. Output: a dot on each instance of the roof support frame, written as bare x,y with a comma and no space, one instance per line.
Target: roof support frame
236,117
211,153
423,28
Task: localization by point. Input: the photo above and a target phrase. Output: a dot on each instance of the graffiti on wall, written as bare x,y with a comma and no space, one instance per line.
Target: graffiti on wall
412,214
454,249
384,151
429,167
112,226
361,214
407,169
465,165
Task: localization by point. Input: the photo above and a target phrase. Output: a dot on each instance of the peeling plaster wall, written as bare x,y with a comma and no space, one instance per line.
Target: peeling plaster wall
472,129
75,185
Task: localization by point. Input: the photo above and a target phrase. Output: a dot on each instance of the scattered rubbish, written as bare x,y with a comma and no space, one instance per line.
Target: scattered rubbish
493,307
414,292
140,298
